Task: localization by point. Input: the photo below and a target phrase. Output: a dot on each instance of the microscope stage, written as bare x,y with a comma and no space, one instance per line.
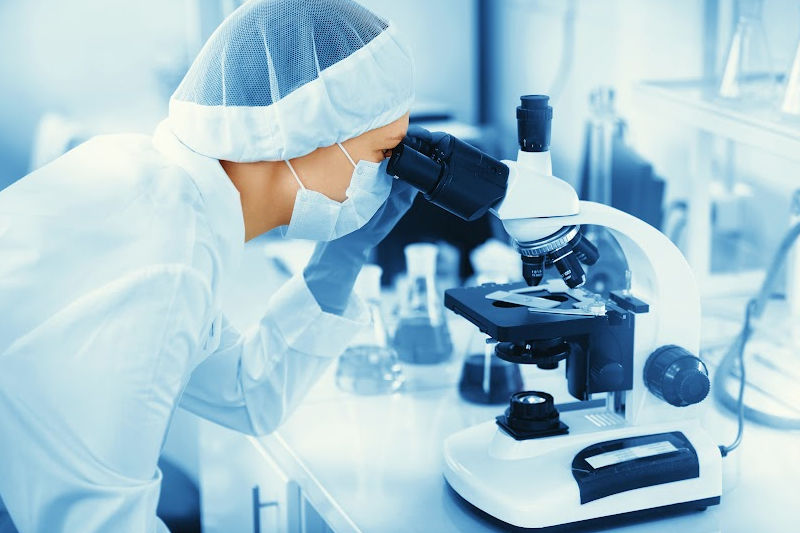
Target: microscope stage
507,322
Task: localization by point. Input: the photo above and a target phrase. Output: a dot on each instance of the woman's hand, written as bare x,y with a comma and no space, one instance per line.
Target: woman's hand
332,270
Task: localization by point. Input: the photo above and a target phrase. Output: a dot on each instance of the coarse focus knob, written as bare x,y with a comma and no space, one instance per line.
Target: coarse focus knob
676,376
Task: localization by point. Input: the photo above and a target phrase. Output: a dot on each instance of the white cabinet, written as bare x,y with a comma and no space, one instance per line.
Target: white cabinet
241,487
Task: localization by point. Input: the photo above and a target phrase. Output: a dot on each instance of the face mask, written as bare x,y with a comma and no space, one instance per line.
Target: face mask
316,217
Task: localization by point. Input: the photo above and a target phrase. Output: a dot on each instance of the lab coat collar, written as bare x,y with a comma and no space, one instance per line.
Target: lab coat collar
222,202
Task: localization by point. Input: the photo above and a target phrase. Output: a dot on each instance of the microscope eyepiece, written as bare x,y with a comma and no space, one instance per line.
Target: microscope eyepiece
534,116
450,173
419,171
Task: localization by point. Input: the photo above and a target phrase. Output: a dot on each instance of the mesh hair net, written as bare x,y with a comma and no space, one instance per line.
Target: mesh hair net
280,78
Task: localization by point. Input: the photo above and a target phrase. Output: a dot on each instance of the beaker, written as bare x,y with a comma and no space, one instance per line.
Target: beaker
485,378
748,75
422,337
370,366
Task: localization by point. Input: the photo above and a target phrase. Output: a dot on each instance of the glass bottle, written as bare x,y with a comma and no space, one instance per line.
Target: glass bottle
605,128
748,75
369,366
422,337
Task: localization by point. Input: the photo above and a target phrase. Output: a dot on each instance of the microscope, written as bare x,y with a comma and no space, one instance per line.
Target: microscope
632,443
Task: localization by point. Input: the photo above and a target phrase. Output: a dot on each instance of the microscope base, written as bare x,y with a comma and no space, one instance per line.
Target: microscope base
585,475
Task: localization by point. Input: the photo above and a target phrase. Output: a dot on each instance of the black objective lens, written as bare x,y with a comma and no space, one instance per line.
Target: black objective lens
532,270
566,249
586,251
571,271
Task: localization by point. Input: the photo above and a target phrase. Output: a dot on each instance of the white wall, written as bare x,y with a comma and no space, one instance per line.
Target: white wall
443,38
105,61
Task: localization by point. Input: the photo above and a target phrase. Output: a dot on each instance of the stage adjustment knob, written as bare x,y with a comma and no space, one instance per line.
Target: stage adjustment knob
676,376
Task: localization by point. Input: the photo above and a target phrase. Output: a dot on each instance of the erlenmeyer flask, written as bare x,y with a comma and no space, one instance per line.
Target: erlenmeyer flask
791,99
748,74
369,365
422,336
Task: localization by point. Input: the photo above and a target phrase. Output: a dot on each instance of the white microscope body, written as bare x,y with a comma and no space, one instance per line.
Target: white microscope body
533,483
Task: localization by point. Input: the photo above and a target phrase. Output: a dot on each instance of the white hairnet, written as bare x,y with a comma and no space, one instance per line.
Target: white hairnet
281,78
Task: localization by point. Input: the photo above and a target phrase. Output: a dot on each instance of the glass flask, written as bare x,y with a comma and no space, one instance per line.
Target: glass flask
605,127
421,336
369,366
748,74
791,99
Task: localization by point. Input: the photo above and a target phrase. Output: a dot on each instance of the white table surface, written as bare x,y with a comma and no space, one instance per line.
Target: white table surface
374,464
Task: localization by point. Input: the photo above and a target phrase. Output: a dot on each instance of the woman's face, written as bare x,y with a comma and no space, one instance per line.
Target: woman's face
328,171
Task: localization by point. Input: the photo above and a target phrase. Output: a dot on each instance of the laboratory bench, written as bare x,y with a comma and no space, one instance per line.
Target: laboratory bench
374,464
349,463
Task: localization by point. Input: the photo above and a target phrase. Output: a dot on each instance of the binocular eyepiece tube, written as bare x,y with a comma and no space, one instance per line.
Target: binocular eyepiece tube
450,173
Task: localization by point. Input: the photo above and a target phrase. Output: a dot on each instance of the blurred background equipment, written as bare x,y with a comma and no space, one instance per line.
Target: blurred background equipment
749,76
791,99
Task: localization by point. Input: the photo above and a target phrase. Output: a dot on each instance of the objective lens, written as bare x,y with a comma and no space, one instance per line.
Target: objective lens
566,249
532,270
586,251
570,269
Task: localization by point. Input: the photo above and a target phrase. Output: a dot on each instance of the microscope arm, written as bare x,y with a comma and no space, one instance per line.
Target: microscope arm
660,276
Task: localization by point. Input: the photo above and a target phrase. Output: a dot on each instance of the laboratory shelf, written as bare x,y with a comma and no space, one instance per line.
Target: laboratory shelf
695,103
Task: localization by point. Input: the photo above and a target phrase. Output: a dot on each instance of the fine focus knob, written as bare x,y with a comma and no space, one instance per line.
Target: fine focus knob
676,376
608,376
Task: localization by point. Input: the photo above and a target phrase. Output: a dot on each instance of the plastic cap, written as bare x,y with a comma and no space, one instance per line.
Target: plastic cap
421,259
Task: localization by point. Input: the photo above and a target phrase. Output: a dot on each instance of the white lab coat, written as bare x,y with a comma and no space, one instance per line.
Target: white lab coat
113,265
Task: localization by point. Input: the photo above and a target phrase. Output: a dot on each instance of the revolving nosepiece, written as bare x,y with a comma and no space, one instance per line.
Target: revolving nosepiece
567,250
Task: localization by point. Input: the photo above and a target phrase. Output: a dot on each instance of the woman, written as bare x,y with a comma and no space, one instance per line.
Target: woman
114,259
